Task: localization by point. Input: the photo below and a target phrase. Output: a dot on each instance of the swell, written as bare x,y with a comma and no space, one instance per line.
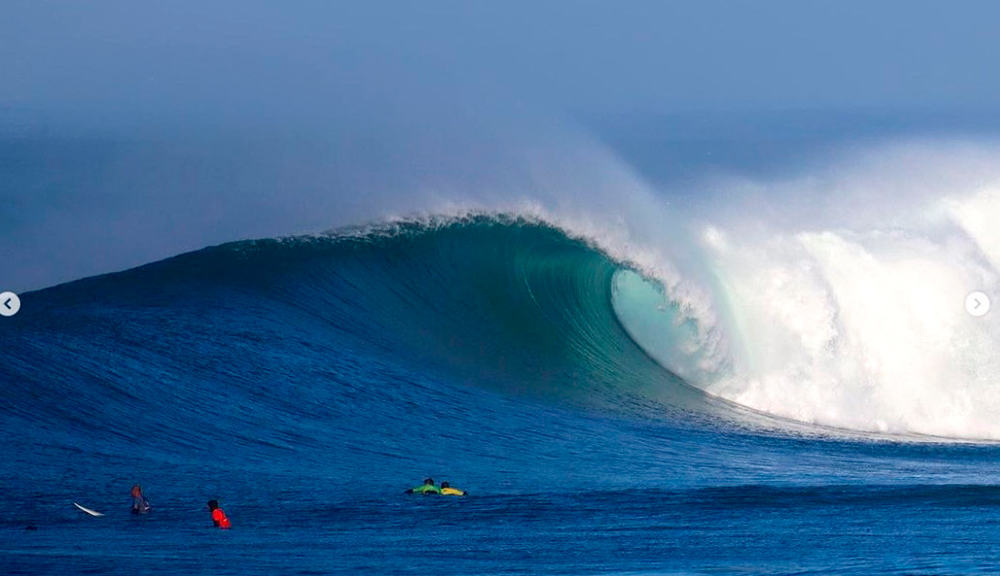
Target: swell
284,349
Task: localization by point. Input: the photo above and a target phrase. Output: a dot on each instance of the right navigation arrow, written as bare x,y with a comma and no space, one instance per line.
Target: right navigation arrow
977,304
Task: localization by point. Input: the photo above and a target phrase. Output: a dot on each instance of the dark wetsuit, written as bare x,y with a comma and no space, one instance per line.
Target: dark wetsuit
140,505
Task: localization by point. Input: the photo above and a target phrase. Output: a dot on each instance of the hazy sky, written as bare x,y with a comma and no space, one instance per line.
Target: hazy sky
124,58
351,77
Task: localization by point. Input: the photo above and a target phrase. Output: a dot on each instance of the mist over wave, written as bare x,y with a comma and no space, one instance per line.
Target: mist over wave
834,297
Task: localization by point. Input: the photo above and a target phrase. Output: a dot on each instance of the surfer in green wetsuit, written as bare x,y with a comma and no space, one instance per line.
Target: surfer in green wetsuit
426,488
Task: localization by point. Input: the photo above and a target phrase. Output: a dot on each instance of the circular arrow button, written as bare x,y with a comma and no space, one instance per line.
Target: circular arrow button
9,303
977,304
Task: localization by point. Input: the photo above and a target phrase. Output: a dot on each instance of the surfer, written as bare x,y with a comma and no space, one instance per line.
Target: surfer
219,517
427,487
139,503
447,490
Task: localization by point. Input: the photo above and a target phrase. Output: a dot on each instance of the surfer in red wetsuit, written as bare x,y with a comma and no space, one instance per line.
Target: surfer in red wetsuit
219,517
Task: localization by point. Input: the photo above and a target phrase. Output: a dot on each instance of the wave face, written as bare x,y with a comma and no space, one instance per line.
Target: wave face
307,340
458,344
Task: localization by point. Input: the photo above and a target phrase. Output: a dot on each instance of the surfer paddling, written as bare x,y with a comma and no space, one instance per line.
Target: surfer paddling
219,517
426,488
447,490
139,503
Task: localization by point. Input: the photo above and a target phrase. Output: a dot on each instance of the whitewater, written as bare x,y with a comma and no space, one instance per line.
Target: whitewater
835,297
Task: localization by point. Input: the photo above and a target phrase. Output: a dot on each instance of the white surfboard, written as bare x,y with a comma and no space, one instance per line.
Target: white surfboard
88,510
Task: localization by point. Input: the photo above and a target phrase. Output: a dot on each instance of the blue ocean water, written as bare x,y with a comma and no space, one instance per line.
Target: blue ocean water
306,382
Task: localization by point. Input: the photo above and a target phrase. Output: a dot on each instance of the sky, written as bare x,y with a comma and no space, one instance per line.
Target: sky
133,131
124,58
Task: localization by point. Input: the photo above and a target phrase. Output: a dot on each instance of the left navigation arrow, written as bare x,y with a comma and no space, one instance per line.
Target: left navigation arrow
9,304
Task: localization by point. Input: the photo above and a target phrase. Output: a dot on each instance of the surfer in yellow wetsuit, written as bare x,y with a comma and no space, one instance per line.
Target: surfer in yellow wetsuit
447,490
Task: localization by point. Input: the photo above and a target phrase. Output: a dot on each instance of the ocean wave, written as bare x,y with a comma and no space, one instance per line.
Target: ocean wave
835,328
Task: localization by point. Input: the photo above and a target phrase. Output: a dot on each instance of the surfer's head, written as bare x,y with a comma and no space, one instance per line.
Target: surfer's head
445,485
213,504
429,481
136,491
